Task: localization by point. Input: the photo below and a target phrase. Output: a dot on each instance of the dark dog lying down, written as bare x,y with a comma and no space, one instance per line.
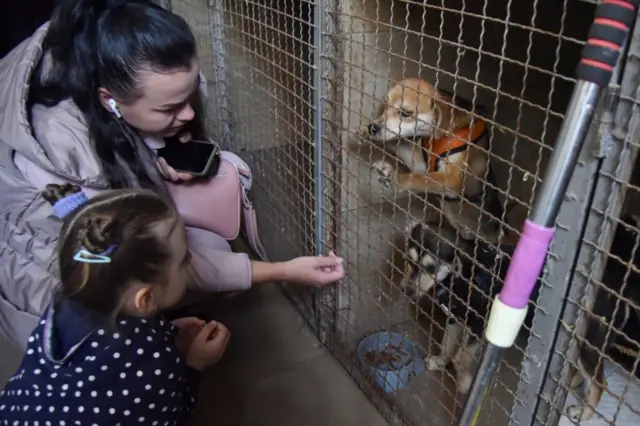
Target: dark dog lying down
616,305
438,259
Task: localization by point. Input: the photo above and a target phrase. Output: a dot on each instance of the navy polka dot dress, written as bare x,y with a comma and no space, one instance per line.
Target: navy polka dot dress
77,373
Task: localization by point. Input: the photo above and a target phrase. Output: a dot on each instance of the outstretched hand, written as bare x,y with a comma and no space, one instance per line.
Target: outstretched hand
315,271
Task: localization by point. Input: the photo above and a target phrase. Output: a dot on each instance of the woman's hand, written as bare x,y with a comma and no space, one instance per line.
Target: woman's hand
188,329
316,271
208,346
168,172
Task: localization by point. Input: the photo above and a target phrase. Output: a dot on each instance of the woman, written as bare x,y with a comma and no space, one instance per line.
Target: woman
87,100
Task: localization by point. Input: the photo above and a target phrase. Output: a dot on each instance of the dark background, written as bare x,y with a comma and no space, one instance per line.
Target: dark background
19,19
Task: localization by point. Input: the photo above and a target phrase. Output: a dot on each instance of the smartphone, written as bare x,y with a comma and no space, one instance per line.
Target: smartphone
198,158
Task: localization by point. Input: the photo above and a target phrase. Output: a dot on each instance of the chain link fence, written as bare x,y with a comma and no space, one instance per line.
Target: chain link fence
304,91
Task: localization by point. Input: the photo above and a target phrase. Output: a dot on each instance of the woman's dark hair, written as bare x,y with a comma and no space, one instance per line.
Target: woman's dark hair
124,222
106,43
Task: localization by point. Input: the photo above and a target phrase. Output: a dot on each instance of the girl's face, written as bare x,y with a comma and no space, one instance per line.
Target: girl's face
146,299
165,106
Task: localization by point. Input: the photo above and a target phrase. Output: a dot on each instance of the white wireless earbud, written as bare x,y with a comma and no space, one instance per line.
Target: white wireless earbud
114,107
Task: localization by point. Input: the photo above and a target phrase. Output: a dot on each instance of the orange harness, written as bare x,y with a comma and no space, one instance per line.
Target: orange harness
437,151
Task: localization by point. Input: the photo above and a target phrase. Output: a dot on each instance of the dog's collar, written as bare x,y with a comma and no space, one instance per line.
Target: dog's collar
438,150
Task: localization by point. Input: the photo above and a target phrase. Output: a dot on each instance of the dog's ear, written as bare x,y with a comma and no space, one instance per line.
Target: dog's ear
462,103
458,108
456,100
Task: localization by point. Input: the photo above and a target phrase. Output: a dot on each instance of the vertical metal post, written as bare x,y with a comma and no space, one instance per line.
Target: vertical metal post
220,71
318,121
318,17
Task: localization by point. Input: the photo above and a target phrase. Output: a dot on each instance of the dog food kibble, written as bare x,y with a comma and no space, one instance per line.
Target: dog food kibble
385,358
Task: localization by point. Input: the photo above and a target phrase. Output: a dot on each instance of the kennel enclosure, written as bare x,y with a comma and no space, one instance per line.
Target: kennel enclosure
291,85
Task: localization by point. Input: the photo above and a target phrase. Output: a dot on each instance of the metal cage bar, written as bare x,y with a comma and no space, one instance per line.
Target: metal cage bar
220,72
325,301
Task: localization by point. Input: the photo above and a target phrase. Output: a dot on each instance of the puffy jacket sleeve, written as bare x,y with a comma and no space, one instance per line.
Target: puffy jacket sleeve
214,267
27,268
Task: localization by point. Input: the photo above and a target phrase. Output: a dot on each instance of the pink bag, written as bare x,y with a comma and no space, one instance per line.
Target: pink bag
221,204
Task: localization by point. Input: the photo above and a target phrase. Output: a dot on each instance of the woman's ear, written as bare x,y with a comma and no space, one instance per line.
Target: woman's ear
104,96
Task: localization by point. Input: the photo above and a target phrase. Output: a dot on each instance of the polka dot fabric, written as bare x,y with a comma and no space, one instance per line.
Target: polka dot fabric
133,375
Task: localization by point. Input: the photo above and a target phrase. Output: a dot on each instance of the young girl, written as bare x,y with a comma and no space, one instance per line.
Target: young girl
102,353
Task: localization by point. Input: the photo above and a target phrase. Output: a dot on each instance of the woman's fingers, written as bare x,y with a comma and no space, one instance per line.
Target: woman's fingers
184,176
166,170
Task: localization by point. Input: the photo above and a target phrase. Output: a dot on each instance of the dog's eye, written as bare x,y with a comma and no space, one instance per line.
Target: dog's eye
404,113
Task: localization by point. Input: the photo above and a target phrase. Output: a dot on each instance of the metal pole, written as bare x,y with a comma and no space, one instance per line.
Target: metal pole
318,22
509,309
318,18
216,15
569,143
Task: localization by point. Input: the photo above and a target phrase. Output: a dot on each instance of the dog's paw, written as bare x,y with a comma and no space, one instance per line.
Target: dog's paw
579,413
435,363
464,382
386,172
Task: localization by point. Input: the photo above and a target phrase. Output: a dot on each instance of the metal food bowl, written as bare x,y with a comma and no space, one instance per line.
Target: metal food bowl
391,359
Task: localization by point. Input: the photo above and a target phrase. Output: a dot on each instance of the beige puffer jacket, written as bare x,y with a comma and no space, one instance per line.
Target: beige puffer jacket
53,146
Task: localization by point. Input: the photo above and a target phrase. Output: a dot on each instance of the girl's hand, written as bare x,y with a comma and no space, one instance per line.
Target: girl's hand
208,346
168,172
188,329
316,271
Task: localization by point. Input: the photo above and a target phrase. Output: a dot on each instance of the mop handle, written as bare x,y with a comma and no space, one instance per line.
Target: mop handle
611,24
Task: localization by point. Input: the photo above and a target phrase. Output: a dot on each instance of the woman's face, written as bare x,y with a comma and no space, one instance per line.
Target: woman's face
165,105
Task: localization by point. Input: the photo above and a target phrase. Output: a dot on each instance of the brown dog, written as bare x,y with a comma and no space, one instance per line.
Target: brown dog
450,157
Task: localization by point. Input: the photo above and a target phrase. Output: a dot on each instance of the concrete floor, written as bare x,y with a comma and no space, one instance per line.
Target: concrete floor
274,371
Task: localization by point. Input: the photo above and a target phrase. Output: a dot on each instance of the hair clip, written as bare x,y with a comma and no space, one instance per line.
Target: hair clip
85,256
66,205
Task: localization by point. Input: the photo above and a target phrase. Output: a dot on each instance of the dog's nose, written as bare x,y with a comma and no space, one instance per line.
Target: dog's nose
373,129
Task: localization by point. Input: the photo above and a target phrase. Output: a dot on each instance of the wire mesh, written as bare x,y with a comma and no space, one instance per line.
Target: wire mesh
516,60
512,62
603,387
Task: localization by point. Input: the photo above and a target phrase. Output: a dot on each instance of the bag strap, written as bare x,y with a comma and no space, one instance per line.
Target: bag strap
251,226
